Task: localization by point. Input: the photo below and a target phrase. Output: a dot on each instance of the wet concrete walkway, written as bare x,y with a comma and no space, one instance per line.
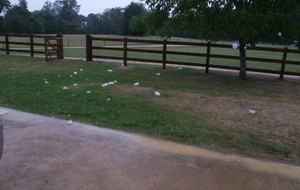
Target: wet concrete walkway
47,153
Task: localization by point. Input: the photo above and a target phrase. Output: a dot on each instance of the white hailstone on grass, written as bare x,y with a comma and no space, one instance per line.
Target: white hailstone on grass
88,92
279,34
58,75
75,73
104,85
65,88
157,93
108,99
180,68
136,84
235,46
252,111
75,84
157,74
109,70
81,69
110,83
71,75
115,81
46,82
70,122
3,112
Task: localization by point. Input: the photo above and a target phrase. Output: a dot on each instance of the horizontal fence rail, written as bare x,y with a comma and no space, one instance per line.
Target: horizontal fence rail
32,44
91,53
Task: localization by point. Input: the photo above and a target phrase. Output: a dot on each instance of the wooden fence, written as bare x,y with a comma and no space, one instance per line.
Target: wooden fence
49,46
125,48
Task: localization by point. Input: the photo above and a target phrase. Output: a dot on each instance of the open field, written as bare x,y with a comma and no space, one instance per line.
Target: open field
212,110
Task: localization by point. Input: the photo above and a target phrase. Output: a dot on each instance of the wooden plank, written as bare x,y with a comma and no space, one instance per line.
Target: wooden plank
224,56
108,48
107,57
186,53
145,41
187,44
107,39
145,51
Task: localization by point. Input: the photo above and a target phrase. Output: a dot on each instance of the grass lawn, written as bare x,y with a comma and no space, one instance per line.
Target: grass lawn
211,110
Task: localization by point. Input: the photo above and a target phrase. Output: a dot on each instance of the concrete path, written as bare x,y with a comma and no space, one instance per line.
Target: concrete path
48,153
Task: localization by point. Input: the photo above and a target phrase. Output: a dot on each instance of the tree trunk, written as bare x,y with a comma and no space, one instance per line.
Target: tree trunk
243,66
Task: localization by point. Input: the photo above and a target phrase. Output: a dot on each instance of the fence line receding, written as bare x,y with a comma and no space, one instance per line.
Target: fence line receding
207,56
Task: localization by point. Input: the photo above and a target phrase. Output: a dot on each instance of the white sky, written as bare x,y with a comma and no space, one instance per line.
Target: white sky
87,6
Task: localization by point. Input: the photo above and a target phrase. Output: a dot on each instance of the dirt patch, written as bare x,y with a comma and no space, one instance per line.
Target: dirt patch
277,122
128,67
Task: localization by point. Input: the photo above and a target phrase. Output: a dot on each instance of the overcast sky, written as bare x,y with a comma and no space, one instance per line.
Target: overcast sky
87,6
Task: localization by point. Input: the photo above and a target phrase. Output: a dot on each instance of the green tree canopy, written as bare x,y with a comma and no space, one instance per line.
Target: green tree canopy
19,20
68,18
139,25
4,5
130,11
250,20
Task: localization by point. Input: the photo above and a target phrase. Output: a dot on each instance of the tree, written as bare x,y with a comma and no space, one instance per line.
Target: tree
250,20
48,17
93,24
19,20
23,4
4,5
130,11
111,20
139,25
68,18
16,20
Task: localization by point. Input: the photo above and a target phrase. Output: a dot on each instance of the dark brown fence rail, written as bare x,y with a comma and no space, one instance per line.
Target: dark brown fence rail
50,46
91,53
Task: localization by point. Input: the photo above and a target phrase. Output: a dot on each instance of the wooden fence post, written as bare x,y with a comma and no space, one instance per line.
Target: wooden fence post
31,46
7,43
46,49
164,57
207,57
60,46
283,63
125,52
89,52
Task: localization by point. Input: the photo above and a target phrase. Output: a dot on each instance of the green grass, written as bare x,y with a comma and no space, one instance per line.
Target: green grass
137,109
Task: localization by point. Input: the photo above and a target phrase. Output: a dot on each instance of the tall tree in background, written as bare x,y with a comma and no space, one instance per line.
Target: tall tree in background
68,18
48,17
131,10
111,20
250,20
23,4
93,24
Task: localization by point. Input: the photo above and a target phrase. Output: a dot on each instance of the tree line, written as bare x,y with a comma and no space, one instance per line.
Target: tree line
63,16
